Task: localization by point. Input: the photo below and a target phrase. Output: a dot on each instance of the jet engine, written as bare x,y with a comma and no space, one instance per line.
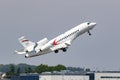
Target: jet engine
45,47
42,42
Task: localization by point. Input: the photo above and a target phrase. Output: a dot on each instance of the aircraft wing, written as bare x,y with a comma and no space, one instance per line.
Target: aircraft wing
20,51
61,45
68,43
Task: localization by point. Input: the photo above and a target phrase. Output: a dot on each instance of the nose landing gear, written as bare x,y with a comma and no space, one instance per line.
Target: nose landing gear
89,33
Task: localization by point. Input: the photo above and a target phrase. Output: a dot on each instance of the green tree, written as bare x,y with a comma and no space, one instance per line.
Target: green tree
45,68
11,71
51,68
18,71
28,70
60,67
41,68
87,70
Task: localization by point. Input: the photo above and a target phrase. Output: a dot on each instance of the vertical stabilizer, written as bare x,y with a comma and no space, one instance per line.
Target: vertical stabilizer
25,42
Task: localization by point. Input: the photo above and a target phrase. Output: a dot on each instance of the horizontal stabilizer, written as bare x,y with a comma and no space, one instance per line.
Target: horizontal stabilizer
20,52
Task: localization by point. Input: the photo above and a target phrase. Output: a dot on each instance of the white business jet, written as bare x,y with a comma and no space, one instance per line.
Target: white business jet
61,42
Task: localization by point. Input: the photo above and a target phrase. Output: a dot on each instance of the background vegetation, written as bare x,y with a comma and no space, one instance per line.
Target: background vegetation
16,70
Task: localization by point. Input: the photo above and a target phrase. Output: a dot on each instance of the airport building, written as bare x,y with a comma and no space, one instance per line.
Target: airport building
26,77
104,76
108,75
88,76
63,77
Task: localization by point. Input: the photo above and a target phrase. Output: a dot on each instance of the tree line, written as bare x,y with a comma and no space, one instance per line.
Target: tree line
15,70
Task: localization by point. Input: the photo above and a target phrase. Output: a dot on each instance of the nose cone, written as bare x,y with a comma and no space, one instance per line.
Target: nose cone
92,25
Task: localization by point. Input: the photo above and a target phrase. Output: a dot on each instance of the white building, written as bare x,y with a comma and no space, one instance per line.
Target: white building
63,77
104,76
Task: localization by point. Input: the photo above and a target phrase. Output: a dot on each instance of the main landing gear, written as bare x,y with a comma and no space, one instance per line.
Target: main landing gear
56,51
63,49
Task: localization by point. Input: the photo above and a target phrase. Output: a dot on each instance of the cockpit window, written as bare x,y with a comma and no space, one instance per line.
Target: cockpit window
88,23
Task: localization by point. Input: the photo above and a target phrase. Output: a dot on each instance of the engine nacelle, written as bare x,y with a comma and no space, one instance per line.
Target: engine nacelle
43,41
46,46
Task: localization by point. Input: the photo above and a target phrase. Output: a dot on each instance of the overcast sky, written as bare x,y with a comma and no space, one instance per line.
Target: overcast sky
37,19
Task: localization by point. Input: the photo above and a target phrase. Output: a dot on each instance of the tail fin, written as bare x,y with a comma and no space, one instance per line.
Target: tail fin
25,42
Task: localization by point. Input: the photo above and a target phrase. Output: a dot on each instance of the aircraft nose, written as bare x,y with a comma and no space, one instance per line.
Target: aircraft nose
93,24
